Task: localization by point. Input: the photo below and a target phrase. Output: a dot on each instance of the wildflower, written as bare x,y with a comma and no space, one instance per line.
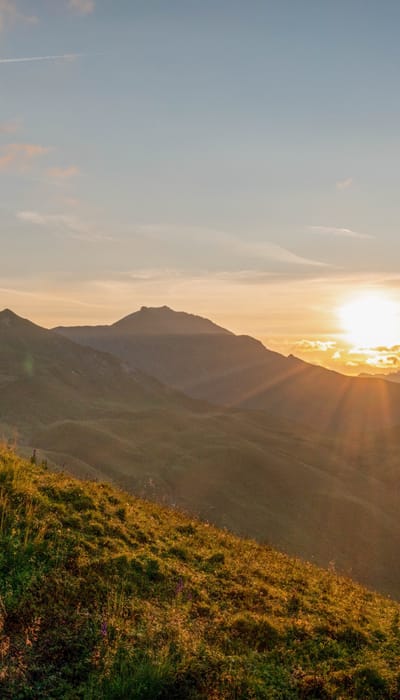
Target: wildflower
104,628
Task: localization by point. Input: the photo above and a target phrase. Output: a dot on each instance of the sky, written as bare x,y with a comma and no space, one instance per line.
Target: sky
239,160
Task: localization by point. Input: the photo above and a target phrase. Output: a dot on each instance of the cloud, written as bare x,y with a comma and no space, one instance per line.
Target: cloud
63,173
227,243
82,7
271,251
246,276
341,232
383,361
385,349
9,15
29,59
20,155
381,357
344,184
315,345
65,225
50,296
10,127
150,274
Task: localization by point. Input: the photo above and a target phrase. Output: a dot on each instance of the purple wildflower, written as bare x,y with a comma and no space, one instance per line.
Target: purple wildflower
180,586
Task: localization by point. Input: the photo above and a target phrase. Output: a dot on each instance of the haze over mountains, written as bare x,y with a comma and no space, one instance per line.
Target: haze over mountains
391,377
259,474
208,362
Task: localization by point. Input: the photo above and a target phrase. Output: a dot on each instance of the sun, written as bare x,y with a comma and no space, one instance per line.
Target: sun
371,320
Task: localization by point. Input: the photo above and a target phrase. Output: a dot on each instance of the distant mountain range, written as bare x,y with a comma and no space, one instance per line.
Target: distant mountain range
256,472
391,377
208,362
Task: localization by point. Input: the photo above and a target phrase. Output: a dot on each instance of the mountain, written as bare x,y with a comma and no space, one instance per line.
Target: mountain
44,378
257,474
238,371
107,597
391,377
163,320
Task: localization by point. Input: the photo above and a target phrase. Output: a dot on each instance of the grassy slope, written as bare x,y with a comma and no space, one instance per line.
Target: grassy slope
107,596
249,472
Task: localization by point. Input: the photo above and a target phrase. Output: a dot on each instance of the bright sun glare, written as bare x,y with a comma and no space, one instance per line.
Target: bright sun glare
371,320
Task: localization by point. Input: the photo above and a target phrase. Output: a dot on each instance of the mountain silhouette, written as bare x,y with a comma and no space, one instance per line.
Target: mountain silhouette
239,371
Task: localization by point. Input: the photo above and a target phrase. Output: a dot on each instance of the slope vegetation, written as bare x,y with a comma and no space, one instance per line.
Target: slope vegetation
107,597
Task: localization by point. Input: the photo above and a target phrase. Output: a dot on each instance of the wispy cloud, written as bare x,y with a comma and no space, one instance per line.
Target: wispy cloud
10,127
63,173
20,155
82,7
29,59
10,14
50,296
250,277
65,225
241,247
270,251
344,184
337,231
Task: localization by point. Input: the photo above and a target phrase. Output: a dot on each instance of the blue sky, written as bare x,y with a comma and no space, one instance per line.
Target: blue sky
236,159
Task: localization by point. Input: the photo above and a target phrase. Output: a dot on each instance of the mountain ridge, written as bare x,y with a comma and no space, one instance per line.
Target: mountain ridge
167,321
239,371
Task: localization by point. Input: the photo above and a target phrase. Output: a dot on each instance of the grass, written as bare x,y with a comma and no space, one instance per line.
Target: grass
107,597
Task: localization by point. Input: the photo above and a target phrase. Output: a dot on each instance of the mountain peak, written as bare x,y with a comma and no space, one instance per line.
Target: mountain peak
156,320
9,318
157,309
7,313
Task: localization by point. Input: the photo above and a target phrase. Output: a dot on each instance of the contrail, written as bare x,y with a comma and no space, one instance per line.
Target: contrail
65,57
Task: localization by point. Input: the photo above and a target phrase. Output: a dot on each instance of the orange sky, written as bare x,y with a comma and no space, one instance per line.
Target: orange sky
291,316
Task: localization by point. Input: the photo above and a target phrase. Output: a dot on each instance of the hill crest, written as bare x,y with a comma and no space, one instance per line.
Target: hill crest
160,320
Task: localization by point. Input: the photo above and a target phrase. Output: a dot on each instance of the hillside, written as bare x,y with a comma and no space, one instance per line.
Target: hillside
251,474
44,378
239,371
256,474
107,597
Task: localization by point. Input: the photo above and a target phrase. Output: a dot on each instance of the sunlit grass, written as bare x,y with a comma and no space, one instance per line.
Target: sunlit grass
107,596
